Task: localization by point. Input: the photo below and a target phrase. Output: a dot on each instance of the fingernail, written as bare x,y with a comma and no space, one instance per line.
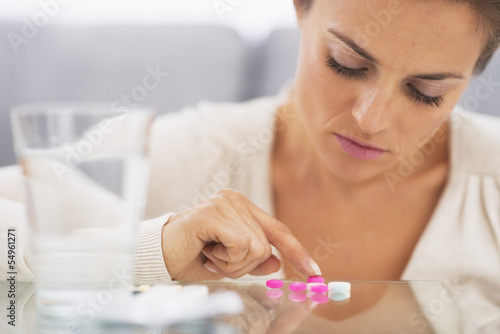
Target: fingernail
315,268
207,267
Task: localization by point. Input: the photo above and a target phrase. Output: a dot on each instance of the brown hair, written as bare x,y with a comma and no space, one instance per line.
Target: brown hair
488,12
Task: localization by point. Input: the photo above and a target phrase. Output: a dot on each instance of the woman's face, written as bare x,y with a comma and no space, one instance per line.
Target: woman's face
381,74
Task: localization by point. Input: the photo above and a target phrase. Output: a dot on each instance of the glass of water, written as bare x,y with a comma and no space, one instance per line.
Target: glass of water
86,176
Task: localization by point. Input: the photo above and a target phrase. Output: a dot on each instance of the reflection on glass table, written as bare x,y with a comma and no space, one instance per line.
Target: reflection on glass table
371,307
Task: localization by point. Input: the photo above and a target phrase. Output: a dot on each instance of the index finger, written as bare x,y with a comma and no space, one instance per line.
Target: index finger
280,236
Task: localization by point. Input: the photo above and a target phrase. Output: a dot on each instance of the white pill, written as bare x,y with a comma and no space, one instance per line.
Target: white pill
340,296
339,286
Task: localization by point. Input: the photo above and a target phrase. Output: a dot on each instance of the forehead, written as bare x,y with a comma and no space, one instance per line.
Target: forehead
399,33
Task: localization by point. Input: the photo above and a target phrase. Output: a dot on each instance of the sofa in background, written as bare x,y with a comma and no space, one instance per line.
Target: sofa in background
105,63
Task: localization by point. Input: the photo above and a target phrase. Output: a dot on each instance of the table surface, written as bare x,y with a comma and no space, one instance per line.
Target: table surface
373,307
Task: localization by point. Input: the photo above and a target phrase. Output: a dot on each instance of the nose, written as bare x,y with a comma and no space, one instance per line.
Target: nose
373,110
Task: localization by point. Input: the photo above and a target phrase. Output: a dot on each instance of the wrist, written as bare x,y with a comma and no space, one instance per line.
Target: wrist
149,262
173,244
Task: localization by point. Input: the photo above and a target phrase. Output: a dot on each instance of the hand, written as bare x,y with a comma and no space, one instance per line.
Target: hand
227,235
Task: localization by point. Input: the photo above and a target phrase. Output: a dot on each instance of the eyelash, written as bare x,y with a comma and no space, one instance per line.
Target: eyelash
345,71
421,98
361,73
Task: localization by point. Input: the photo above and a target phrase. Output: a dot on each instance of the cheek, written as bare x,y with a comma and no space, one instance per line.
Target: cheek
426,122
414,132
419,125
320,93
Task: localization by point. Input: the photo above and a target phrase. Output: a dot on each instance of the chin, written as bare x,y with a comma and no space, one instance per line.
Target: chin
354,175
352,170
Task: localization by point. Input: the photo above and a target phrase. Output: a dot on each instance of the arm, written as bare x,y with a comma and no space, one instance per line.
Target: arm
149,263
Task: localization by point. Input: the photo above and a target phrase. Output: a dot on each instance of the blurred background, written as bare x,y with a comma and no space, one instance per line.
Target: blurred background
166,53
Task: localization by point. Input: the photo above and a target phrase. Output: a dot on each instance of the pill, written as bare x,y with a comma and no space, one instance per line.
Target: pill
316,279
320,288
297,297
310,285
339,286
137,289
274,283
274,294
144,288
297,286
340,296
320,299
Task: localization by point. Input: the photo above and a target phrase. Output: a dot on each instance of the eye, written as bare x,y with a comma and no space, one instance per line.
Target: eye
421,98
345,71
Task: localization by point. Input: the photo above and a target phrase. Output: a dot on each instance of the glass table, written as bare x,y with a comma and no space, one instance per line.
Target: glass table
372,307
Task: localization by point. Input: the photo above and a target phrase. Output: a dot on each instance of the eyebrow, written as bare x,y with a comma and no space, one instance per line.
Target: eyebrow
438,76
355,47
365,54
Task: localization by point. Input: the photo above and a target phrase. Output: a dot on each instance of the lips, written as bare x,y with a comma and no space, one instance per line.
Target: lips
359,150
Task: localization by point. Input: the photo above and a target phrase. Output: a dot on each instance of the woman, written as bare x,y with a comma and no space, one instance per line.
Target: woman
365,155
369,163
365,160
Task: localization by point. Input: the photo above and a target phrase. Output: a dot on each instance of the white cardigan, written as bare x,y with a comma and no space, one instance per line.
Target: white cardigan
196,152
